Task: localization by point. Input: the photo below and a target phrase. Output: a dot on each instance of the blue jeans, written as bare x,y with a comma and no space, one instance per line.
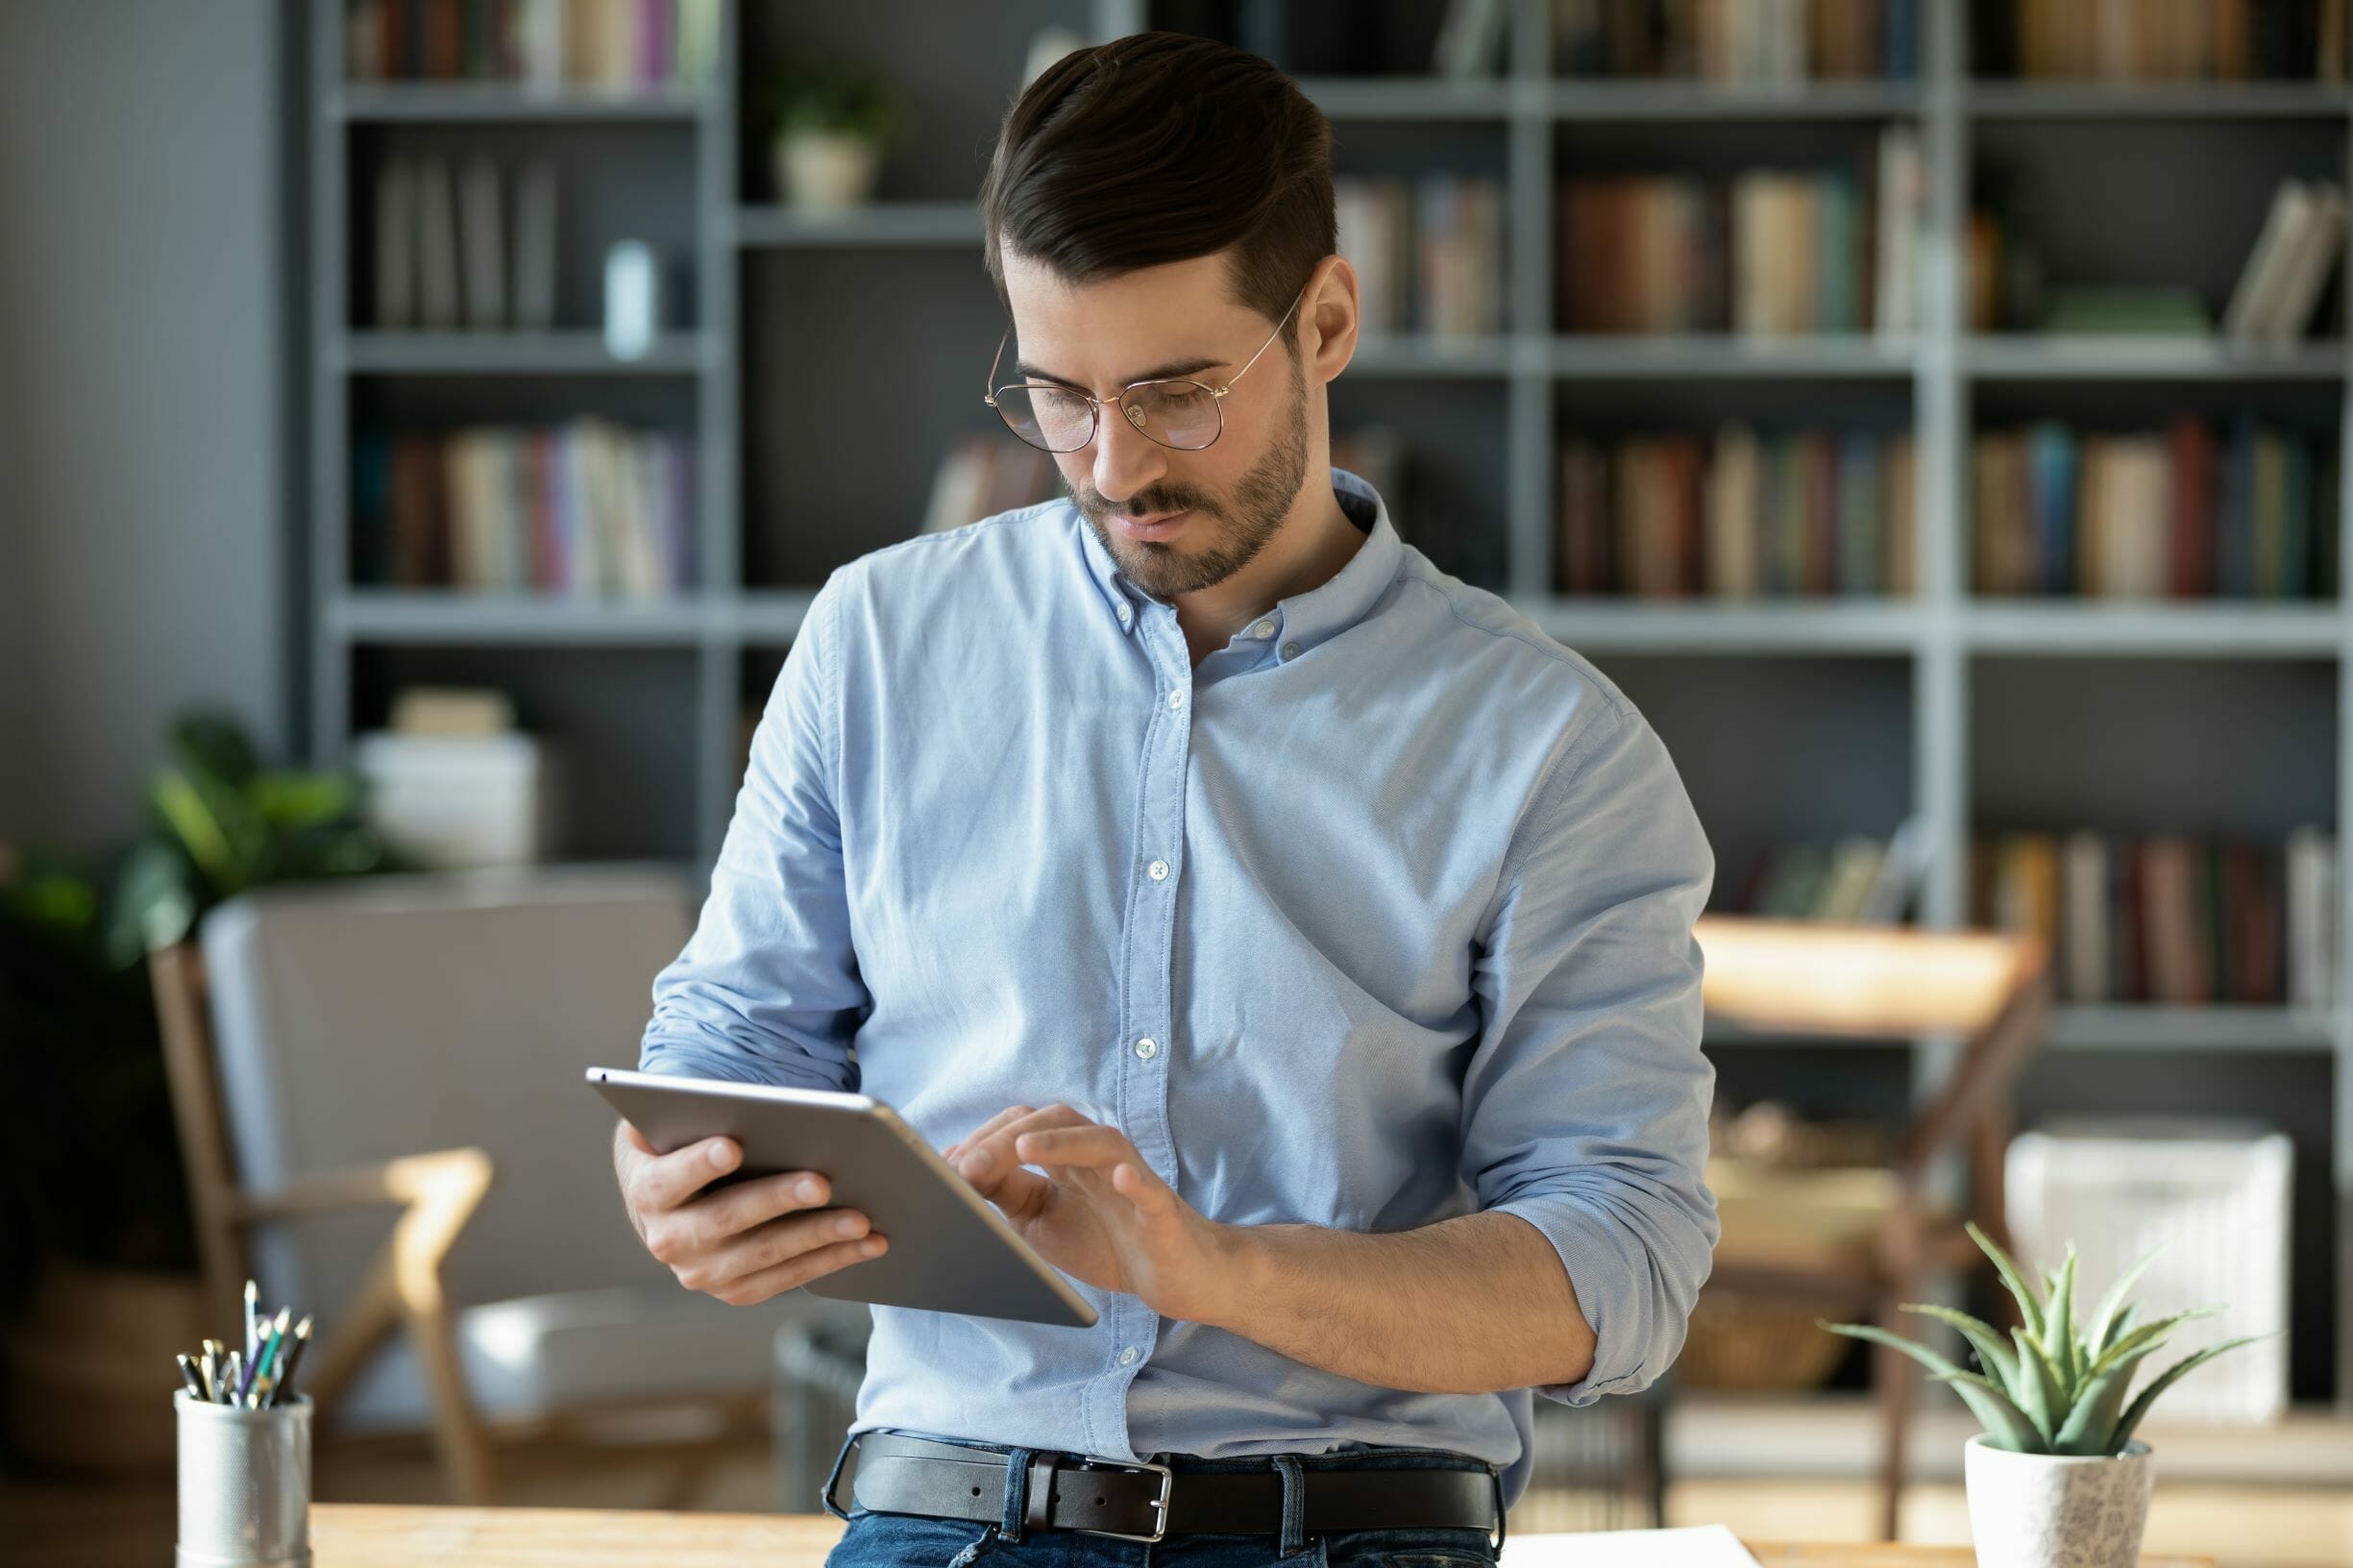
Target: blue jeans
900,1540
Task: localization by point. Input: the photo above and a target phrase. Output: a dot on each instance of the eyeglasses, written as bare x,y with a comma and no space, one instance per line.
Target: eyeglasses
1184,415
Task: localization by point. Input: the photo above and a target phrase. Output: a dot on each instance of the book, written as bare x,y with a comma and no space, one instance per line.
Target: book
2254,299
483,234
533,294
396,245
439,300
2305,272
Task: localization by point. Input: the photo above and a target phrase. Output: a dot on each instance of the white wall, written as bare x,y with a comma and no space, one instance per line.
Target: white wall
142,495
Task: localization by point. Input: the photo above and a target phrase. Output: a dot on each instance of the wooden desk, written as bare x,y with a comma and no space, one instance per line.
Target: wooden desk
372,1535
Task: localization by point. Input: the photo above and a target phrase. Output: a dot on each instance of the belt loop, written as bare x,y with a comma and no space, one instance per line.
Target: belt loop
835,1479
1039,1514
1017,1493
1294,1506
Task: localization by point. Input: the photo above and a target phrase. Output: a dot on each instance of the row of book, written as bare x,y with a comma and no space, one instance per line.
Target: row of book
2160,40
2178,918
2249,511
1746,41
442,253
1737,514
587,508
1428,254
1768,251
1857,880
540,44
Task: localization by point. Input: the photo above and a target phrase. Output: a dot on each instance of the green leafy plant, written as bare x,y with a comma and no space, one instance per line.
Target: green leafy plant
809,92
78,1032
224,823
2051,1390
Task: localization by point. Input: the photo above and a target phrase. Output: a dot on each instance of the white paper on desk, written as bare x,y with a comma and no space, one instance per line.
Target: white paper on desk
1695,1546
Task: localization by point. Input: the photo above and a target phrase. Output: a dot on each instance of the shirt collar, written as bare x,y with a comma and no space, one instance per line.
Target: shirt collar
1304,619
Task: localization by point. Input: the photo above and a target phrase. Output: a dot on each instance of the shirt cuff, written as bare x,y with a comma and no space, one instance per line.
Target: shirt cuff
1611,1273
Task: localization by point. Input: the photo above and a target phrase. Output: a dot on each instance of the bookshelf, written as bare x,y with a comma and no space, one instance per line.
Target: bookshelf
1788,718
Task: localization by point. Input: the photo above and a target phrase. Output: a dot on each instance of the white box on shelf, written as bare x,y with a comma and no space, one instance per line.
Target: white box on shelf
453,801
2213,1197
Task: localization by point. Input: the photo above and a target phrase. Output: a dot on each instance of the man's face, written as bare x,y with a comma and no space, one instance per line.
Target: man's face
1176,522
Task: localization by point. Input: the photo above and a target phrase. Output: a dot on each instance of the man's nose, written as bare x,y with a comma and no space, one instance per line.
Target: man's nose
1126,460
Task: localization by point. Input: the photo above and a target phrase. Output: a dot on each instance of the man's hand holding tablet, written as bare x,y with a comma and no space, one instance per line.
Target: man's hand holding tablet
728,1182
743,1243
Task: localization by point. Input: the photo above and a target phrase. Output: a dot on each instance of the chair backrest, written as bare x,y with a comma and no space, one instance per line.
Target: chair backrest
363,1020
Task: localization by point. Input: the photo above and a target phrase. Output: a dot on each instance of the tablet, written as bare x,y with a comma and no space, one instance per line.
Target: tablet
951,1250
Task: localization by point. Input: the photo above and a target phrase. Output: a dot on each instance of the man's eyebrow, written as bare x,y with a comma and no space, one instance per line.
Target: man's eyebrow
1175,368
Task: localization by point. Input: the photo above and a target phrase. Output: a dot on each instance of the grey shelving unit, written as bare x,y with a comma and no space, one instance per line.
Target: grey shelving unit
1814,715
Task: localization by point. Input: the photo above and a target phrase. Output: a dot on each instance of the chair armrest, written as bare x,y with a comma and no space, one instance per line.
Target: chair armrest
443,1177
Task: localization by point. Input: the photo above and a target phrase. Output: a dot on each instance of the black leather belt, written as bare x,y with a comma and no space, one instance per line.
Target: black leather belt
1145,1502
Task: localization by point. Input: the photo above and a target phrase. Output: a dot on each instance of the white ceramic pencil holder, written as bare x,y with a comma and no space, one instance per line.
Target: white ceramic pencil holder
244,1484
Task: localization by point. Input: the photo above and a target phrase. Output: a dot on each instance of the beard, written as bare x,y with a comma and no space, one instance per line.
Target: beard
1238,525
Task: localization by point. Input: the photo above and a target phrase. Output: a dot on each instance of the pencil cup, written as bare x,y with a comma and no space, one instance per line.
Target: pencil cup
244,1484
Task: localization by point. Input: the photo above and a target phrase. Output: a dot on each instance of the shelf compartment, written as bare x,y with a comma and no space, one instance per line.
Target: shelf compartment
619,723
1795,750
2216,747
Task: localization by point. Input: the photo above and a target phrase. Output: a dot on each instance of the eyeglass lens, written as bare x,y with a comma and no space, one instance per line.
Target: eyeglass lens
1179,414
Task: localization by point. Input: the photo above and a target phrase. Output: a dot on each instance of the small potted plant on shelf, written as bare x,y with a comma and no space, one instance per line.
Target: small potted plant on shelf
830,124
2057,1477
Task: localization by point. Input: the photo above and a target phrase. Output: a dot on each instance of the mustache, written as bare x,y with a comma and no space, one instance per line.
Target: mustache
1092,502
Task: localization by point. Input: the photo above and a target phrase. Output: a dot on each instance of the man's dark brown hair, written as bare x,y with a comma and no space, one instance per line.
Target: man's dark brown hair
1161,147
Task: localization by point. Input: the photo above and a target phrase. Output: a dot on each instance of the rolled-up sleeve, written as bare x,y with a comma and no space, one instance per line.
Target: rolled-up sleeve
1586,1097
767,990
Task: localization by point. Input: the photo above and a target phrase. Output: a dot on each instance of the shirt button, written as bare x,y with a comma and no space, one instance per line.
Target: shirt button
1148,1048
1176,697
1262,630
1158,870
1291,651
1128,1355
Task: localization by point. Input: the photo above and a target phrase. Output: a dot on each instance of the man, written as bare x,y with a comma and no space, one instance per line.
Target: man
1293,942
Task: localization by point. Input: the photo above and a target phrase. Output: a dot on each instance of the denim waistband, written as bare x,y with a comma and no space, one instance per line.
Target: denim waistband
1342,1458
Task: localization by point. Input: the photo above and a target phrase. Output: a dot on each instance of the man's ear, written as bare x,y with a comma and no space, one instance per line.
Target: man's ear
1329,338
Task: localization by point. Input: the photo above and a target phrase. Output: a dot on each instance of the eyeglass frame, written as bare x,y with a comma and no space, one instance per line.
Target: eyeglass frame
1095,404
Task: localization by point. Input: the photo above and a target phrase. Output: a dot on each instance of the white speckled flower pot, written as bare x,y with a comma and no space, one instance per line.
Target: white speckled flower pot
2044,1510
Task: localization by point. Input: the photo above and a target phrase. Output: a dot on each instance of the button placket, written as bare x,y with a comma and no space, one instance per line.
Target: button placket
1146,1006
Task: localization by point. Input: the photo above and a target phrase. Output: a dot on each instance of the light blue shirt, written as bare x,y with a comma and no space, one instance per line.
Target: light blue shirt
1380,916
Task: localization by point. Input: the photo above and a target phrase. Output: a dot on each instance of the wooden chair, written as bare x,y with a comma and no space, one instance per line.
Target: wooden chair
1795,978
319,1023
436,1194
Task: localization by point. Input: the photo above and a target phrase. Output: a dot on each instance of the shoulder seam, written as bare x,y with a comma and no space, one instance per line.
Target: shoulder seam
1547,647
1000,520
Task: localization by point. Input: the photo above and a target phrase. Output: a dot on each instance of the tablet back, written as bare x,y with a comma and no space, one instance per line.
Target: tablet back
951,1250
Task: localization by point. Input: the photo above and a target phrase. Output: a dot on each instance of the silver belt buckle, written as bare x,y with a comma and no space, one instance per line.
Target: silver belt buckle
1159,1503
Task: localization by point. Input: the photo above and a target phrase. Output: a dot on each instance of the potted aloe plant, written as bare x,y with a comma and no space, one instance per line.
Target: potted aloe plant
2057,1477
